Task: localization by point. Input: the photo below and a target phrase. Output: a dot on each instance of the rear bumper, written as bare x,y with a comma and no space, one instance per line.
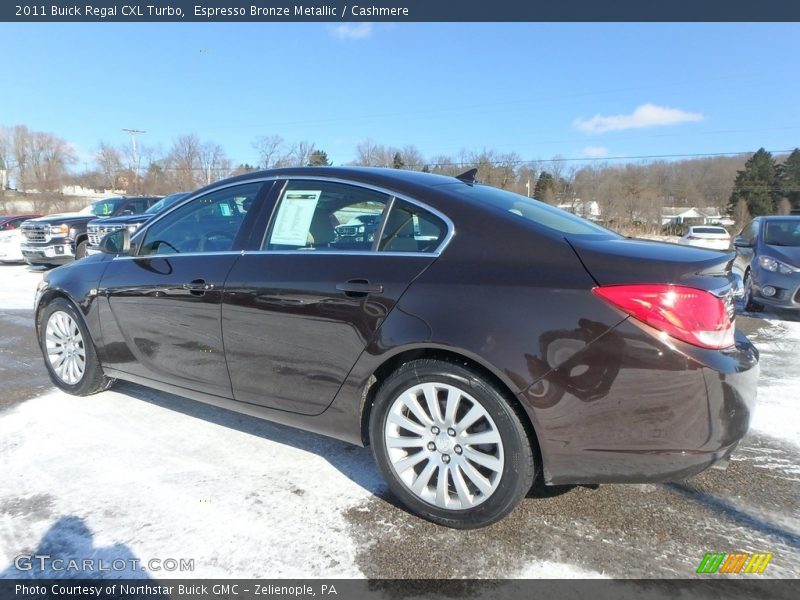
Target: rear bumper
56,253
641,409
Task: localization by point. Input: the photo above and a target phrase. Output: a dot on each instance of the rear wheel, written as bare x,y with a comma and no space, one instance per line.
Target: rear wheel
69,353
450,445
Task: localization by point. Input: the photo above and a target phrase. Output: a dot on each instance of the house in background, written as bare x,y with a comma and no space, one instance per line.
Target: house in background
691,215
586,209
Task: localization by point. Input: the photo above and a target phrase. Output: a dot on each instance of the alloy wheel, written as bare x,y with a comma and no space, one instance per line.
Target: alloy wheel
444,446
65,347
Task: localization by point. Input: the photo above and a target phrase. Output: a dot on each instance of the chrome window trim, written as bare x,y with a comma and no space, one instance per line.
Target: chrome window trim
451,229
176,254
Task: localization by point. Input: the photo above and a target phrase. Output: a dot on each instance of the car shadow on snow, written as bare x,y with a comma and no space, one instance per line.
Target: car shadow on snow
67,550
354,462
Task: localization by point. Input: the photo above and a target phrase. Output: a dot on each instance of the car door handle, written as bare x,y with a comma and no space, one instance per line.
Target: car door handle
359,287
198,287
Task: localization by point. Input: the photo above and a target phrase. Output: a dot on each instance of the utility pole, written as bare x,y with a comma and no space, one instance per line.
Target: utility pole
135,155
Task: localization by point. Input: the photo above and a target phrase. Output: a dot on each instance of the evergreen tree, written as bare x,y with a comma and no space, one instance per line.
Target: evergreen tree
397,161
426,169
790,178
757,184
318,158
545,188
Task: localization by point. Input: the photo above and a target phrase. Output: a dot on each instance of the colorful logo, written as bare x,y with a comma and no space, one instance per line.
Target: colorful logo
734,562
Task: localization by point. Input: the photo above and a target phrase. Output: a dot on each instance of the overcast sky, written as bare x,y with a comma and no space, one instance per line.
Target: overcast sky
572,90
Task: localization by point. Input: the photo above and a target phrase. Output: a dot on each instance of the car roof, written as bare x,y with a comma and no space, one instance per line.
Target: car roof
380,176
778,218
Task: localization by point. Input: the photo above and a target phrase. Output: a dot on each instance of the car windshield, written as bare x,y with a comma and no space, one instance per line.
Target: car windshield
102,208
165,202
532,210
782,232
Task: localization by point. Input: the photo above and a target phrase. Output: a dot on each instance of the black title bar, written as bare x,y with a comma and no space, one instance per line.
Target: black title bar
399,10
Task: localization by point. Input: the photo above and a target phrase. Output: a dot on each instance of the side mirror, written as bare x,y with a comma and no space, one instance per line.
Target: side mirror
740,242
116,242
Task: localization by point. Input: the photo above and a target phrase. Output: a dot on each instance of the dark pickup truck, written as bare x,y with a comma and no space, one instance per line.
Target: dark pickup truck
59,239
98,228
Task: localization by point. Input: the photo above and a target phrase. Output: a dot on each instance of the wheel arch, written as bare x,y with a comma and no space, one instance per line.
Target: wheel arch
394,362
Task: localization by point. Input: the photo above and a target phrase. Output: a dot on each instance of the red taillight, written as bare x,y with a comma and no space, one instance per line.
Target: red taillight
694,316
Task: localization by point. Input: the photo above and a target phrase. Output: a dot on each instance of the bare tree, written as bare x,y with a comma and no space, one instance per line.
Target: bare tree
299,154
183,161
109,163
269,148
214,165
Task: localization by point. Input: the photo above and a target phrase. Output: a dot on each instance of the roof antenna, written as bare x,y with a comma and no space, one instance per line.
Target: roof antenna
468,176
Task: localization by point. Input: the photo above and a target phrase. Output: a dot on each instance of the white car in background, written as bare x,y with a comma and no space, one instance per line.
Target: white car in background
707,236
10,246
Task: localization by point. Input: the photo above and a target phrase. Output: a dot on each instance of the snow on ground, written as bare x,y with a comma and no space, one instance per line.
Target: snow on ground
132,477
777,412
18,286
554,570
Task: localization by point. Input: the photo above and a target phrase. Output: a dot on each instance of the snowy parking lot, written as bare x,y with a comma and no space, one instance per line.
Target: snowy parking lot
134,473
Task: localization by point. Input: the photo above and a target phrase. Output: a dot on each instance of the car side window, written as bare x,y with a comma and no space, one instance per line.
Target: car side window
410,228
209,223
750,233
322,216
134,207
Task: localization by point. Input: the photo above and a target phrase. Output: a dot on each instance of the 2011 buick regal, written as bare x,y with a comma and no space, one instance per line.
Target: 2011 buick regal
473,337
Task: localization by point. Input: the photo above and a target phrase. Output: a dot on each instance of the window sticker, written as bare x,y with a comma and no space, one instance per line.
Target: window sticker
294,217
225,209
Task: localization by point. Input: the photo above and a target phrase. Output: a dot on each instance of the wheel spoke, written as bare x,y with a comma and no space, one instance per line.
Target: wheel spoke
406,423
484,437
484,460
424,478
483,484
442,493
409,461
451,408
469,419
464,495
413,405
404,442
432,401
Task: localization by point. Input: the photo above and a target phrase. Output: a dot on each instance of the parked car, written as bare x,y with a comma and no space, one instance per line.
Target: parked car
707,236
358,230
100,227
10,237
59,239
768,258
507,340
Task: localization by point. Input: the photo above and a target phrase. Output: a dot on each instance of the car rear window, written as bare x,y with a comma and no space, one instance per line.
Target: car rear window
709,230
531,210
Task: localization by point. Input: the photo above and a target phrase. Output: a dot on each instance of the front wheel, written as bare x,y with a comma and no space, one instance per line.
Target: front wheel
69,354
747,300
450,445
80,250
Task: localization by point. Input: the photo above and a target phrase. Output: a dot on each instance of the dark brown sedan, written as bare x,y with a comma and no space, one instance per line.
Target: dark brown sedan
473,337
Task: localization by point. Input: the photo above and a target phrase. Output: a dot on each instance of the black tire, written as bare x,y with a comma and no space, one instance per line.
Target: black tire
80,250
511,481
748,302
92,379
